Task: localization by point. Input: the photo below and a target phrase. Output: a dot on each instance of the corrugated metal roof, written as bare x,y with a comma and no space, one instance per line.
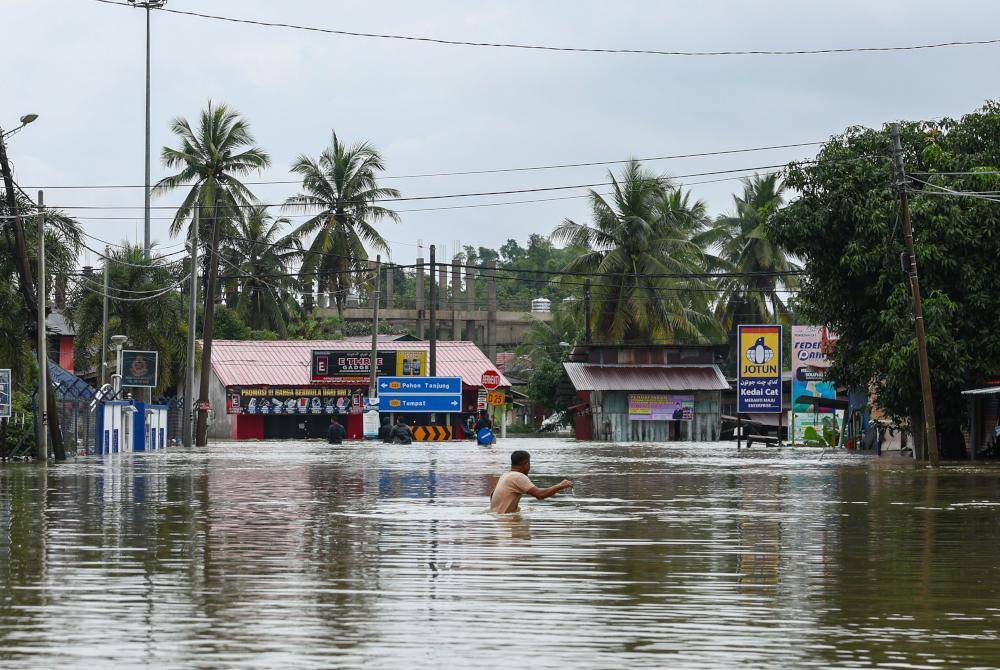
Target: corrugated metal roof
595,377
289,362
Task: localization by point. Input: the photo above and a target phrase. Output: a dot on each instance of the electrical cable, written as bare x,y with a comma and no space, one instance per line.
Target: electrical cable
593,50
557,166
457,195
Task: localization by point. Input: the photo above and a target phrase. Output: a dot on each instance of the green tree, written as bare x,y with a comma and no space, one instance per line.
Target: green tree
637,239
846,229
211,160
343,184
144,304
745,244
261,258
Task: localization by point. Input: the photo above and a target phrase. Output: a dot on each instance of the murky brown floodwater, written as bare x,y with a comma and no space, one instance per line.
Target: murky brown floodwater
308,556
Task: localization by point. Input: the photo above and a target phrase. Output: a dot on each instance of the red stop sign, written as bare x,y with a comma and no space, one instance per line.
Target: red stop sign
491,379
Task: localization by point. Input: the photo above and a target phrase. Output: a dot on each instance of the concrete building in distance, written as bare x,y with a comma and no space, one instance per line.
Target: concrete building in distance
631,393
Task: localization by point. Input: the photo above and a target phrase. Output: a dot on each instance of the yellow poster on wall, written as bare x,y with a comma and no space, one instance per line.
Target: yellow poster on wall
411,363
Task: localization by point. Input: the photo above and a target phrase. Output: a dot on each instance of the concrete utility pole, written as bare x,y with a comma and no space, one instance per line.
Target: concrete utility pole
470,301
491,314
432,365
373,363
42,453
189,380
930,425
148,5
419,297
104,316
456,303
586,311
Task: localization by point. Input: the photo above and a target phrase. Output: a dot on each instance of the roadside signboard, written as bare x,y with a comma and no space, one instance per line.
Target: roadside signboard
481,400
6,391
490,380
759,387
810,361
370,423
496,398
273,400
419,385
660,407
333,366
420,394
139,368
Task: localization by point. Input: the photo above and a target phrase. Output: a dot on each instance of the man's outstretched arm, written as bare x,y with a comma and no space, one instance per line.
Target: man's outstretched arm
542,494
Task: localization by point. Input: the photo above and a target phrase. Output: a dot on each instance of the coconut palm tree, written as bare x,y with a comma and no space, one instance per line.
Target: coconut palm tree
637,238
261,257
744,245
343,185
211,159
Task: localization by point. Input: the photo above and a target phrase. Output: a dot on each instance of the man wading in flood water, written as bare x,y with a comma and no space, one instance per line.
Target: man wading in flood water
514,484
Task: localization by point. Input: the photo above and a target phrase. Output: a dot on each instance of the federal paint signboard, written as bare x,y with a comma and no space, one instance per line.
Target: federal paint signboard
6,391
758,390
331,366
139,368
660,407
810,361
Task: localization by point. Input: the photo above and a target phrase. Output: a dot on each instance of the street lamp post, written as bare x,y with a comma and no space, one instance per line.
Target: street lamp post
148,5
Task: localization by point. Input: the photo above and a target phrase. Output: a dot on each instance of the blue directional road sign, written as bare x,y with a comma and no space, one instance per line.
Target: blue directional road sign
419,385
420,394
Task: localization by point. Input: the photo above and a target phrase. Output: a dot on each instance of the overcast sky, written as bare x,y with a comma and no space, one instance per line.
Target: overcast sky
430,108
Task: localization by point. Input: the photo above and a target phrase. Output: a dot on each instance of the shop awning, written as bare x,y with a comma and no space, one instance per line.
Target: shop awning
607,377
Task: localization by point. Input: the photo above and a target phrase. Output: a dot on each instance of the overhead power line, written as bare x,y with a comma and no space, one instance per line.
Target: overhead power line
462,195
569,49
556,166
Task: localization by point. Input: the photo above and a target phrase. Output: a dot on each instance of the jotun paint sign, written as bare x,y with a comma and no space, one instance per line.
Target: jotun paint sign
759,387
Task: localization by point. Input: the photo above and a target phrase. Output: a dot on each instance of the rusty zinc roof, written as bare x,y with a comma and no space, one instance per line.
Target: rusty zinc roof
622,377
289,362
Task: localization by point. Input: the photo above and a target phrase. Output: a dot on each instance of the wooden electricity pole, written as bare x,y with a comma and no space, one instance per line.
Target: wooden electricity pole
930,425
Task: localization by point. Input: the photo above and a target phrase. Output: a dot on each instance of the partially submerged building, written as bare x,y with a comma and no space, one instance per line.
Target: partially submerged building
659,393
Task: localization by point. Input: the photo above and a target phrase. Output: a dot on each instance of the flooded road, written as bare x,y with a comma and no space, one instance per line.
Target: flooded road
295,555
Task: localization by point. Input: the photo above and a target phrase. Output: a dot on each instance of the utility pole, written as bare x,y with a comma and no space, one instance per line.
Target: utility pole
433,320
192,332
104,316
148,5
586,311
42,452
373,363
930,425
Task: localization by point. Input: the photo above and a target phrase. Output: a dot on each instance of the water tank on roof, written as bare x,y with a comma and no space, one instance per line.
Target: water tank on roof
541,305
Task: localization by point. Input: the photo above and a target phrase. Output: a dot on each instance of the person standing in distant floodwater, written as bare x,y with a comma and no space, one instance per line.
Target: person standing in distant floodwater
512,485
335,434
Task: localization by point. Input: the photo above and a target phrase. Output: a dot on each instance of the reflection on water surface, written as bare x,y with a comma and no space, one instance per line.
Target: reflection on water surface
305,555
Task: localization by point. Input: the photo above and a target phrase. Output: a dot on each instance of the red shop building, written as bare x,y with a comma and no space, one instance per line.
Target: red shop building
268,390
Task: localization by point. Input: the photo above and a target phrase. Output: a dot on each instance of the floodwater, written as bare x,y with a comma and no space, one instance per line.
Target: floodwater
302,555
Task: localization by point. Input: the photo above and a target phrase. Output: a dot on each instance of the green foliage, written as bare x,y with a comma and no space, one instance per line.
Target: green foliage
343,184
140,308
310,327
229,325
21,425
264,335
846,228
643,233
745,244
257,250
